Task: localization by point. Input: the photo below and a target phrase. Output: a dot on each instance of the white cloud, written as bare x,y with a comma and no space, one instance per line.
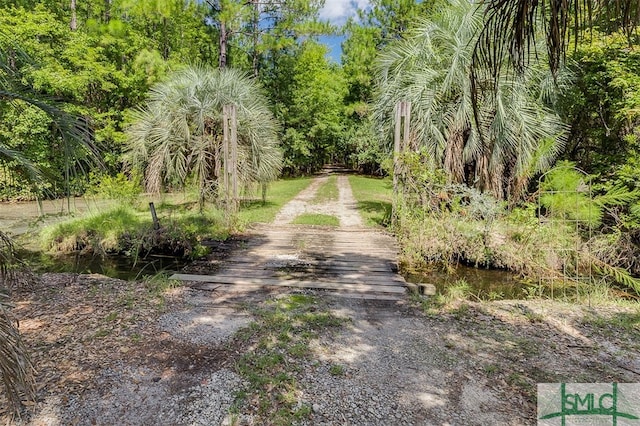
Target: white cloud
338,11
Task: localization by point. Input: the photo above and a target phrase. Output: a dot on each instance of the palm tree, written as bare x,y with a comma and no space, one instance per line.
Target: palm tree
494,147
513,26
179,133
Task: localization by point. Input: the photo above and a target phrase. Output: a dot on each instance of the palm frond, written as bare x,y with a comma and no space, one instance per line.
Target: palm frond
497,130
16,370
513,28
179,132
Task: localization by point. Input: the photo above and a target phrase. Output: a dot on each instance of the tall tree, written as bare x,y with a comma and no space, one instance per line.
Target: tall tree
179,133
101,70
430,68
381,23
313,120
74,19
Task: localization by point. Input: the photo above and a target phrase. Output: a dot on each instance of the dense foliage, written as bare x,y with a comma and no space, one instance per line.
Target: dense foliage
495,147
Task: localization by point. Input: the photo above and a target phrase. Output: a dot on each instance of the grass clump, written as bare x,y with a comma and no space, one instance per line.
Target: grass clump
125,230
99,232
374,197
280,193
327,192
614,323
278,341
316,219
336,370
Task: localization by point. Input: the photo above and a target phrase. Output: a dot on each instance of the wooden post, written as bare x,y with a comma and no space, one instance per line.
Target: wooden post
400,141
406,113
225,152
154,216
234,156
396,146
230,155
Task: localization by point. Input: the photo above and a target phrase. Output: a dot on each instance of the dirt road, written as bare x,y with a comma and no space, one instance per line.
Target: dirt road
108,353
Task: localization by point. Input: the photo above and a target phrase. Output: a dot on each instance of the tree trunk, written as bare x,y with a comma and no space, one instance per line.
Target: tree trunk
107,11
223,45
453,156
74,19
255,24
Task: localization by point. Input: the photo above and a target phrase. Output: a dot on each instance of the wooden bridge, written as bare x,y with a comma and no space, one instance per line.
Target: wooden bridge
351,262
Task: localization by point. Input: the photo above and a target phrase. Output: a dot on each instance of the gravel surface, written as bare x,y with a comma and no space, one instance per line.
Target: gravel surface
202,326
141,397
393,371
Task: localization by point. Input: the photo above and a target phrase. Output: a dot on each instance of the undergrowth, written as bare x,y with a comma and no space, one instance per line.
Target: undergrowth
438,222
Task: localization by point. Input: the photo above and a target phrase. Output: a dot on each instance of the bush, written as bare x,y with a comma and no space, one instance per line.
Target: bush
124,230
119,187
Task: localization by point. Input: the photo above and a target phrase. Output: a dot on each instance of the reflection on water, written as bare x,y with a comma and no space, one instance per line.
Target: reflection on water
115,266
484,283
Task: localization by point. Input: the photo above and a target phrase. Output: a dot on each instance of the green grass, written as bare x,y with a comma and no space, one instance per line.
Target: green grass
627,321
279,193
125,230
99,230
336,370
279,343
316,219
327,192
374,197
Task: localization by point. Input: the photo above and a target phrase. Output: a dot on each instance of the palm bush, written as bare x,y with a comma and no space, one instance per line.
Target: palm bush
495,147
178,135
16,371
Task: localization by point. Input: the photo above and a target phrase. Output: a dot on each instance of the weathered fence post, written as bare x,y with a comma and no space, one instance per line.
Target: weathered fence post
225,153
400,137
230,156
154,216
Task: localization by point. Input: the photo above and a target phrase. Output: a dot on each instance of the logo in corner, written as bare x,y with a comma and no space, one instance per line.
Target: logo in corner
566,404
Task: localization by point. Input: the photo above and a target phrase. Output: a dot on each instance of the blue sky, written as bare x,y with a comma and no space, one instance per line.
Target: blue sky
337,12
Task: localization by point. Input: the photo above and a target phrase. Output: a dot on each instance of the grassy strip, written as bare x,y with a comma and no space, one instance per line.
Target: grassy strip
280,193
278,343
327,192
374,197
126,230
316,219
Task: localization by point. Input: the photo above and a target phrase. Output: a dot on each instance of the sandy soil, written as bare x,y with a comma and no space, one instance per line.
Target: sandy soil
114,352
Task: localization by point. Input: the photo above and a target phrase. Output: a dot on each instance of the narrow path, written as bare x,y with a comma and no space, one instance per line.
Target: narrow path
351,260
345,208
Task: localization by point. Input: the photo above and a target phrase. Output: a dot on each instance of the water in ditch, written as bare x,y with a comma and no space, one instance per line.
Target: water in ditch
114,266
484,284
